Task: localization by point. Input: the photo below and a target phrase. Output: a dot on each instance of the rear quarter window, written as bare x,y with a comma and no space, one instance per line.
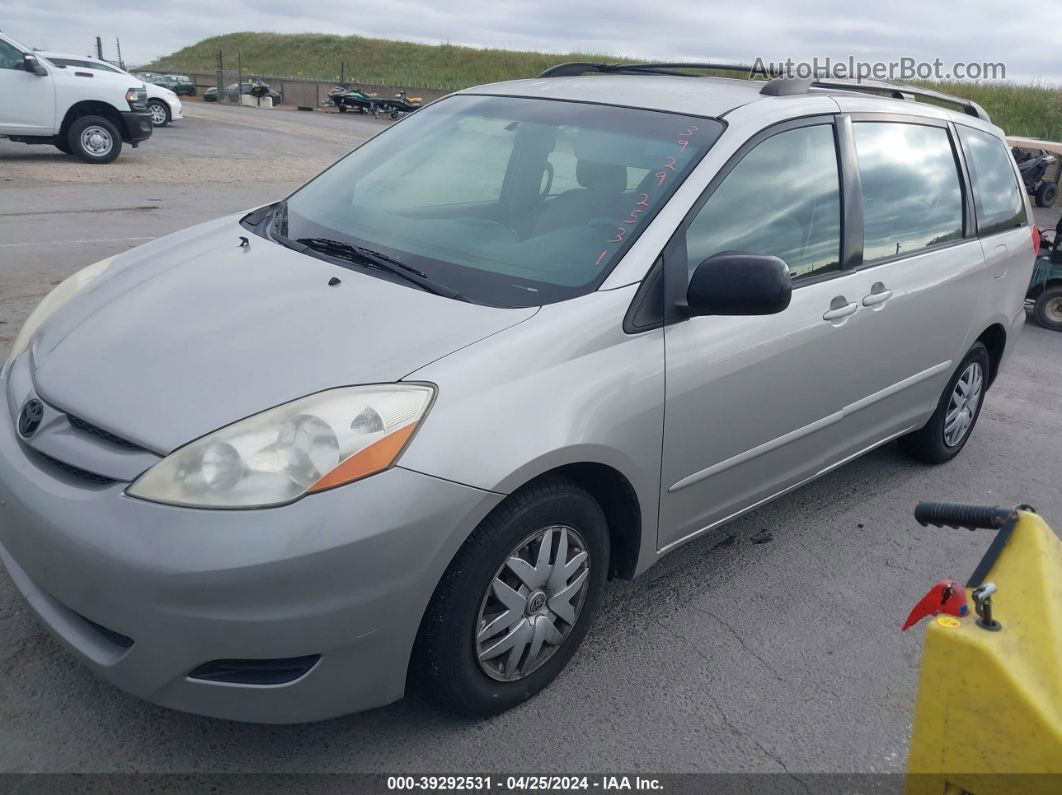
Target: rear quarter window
998,198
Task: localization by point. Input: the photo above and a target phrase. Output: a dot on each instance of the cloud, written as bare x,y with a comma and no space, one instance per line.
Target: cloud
978,30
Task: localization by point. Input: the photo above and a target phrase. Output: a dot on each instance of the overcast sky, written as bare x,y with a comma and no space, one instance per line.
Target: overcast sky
1021,33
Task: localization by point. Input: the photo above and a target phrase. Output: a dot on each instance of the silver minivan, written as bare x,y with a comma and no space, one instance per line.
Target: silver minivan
403,425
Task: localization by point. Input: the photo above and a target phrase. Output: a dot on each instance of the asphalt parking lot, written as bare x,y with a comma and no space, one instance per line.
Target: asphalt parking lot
772,646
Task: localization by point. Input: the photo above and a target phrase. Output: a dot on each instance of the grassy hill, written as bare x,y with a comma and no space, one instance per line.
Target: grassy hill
1020,109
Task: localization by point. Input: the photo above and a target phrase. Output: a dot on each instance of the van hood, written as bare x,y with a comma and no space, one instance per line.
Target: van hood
191,332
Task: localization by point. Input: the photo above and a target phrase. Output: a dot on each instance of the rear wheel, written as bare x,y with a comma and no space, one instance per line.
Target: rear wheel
516,601
1046,194
946,433
160,113
1048,309
94,139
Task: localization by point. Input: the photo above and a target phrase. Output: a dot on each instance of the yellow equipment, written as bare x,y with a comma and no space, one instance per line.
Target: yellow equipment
989,703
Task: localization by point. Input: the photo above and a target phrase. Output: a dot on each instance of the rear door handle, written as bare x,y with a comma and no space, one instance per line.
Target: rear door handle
840,308
879,294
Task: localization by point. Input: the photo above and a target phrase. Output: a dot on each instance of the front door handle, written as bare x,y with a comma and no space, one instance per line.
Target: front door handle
840,308
879,294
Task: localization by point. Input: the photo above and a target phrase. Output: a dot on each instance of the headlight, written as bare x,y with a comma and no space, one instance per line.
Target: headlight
311,444
63,292
136,97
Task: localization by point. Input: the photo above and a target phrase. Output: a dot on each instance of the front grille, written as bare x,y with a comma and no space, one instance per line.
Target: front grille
99,433
255,672
76,472
117,638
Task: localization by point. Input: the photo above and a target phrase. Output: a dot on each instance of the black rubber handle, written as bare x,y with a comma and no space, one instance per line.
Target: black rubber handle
955,514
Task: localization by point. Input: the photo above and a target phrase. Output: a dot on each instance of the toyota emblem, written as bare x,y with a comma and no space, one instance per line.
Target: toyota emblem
29,419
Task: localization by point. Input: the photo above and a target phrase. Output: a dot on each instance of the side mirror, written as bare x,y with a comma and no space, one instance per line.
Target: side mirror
32,65
732,283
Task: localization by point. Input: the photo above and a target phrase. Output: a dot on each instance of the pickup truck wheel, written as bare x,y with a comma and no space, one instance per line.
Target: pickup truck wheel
1048,309
63,146
160,114
94,139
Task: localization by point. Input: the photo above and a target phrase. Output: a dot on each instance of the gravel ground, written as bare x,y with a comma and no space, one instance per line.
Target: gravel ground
243,145
773,646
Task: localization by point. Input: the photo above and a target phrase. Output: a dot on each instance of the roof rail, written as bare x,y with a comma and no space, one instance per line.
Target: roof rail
578,68
788,86
777,87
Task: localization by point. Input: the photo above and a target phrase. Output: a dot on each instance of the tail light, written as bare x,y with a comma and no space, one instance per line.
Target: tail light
1036,240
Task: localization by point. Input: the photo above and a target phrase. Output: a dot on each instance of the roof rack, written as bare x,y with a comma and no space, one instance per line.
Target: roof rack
581,68
788,86
778,86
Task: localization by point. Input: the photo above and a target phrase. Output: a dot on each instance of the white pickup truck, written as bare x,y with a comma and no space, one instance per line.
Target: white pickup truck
81,112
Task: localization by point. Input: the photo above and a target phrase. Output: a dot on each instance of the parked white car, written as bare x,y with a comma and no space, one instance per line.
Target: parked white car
87,113
163,104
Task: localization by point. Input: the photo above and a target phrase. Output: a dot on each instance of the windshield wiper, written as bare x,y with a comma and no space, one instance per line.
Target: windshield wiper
376,259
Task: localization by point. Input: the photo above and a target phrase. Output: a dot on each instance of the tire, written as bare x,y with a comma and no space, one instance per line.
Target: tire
63,145
160,113
446,662
1048,309
1046,195
94,139
342,108
933,443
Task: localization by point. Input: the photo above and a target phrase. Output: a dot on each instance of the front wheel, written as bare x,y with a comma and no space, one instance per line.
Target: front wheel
1048,309
946,433
94,139
160,114
516,601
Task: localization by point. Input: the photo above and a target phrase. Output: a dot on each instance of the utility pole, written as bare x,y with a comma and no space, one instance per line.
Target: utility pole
221,77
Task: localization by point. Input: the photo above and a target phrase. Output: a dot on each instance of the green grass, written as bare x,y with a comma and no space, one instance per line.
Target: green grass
1020,109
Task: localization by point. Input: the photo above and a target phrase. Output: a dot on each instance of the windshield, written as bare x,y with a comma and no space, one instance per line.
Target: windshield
508,201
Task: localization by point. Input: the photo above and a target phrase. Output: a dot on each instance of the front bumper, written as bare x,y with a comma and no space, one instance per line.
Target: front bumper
346,574
137,126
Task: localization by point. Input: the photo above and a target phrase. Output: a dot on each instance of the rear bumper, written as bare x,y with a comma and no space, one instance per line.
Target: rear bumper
345,574
137,126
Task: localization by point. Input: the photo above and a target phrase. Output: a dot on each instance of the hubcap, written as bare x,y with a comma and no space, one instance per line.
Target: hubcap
1053,310
158,114
962,408
533,602
97,141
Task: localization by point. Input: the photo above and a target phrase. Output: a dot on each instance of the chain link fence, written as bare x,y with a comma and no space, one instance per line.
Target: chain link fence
229,82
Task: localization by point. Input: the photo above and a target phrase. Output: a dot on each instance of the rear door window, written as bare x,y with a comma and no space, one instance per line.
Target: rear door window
912,197
997,195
